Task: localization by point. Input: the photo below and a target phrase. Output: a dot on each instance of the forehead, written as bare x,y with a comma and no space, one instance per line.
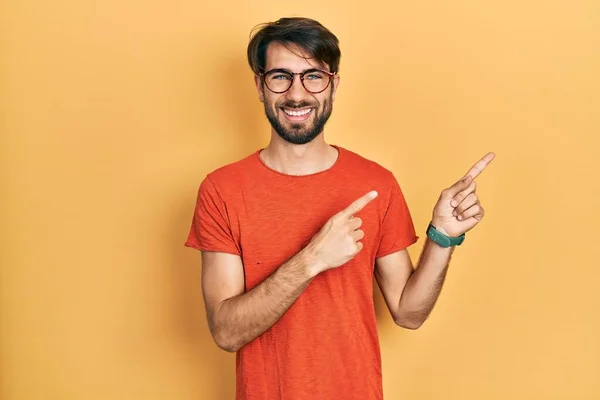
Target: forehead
290,56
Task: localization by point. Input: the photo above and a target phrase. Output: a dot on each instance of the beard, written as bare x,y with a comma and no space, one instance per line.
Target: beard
299,133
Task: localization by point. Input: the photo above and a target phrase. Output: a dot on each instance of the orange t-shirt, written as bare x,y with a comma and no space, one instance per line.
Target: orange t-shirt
326,345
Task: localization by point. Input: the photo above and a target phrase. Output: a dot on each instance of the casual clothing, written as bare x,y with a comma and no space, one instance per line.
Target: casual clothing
326,345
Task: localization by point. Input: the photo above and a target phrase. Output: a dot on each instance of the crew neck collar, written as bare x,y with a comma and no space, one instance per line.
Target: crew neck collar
325,171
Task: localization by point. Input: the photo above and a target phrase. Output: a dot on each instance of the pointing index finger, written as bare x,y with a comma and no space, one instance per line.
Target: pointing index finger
359,204
480,165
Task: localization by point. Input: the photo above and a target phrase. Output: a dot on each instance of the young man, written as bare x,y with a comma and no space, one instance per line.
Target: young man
292,235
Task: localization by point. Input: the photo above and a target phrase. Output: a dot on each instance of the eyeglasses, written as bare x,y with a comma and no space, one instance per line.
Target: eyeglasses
280,80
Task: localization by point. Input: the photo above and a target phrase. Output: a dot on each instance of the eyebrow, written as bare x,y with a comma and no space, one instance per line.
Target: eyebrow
287,70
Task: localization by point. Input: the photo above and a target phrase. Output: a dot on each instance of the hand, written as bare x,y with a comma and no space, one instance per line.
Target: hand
338,240
458,209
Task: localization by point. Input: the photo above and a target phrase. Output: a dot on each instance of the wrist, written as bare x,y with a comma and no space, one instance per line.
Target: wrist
438,228
310,260
438,235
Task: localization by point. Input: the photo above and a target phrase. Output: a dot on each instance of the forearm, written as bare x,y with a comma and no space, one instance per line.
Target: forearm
424,285
243,318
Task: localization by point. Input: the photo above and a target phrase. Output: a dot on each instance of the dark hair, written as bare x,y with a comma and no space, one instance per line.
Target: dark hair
306,33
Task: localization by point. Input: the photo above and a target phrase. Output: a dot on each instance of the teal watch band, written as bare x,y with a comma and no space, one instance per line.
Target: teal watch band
443,240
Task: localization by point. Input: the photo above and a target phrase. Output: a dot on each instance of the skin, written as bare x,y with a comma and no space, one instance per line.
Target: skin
236,317
310,126
281,155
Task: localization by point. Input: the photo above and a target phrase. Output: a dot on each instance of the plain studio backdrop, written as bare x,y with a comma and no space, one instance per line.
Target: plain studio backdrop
113,112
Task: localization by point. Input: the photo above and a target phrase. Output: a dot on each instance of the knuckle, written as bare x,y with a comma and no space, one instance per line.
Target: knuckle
359,247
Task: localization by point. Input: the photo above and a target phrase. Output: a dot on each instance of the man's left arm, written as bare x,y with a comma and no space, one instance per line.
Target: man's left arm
410,293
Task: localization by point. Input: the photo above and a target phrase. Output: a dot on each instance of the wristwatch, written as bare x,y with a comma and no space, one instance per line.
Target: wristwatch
443,240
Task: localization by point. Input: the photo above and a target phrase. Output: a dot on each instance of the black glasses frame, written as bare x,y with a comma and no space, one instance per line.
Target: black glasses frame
301,75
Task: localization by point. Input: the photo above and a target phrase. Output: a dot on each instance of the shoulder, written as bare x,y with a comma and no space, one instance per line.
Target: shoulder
228,177
370,175
368,168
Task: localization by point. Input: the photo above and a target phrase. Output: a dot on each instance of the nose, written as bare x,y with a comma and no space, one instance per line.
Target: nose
296,92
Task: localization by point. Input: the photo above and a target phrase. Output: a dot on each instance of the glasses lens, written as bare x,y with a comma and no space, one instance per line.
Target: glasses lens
315,81
278,81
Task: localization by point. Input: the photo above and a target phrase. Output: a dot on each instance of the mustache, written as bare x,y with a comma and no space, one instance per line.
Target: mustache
302,104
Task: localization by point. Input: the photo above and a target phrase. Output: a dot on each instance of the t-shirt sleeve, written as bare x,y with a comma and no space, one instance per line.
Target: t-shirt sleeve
397,228
211,229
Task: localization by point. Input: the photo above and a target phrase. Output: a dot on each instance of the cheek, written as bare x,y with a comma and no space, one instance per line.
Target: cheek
324,103
273,102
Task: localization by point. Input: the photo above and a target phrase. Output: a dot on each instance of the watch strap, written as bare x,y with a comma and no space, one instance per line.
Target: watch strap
443,240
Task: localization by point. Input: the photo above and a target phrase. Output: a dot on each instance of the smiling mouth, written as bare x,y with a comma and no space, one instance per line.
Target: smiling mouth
297,113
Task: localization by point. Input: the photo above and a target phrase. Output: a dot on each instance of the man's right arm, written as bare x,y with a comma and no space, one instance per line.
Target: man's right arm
236,318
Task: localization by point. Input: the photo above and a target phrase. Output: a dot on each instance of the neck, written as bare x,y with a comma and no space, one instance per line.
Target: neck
299,159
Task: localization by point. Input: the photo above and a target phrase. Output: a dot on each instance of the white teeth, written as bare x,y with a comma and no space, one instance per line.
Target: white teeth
297,113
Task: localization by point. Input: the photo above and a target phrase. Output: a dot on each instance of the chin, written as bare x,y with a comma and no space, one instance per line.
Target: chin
296,133
296,137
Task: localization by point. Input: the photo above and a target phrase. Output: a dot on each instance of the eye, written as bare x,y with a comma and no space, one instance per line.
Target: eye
314,76
280,77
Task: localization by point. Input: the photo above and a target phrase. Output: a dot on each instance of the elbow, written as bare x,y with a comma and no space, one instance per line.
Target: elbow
221,335
228,347
225,343
226,340
411,326
409,323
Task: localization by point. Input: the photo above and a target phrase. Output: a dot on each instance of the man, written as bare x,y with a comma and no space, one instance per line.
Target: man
292,235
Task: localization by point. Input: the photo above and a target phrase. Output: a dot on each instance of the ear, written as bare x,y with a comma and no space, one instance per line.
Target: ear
336,84
259,88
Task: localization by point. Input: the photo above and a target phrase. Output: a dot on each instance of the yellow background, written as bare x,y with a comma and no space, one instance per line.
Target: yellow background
113,112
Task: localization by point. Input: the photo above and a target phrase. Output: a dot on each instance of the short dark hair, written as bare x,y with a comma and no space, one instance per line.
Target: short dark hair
306,33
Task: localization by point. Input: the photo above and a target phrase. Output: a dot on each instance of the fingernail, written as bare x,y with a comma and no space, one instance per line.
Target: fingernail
459,217
373,194
453,203
454,213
